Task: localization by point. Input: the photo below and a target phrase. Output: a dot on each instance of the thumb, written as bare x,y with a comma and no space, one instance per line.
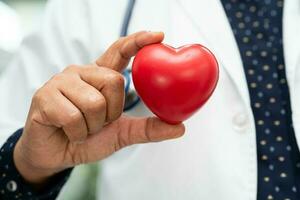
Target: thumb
128,131
143,130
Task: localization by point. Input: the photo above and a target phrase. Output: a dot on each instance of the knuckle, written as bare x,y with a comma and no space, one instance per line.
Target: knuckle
95,104
71,68
115,79
58,77
40,97
71,118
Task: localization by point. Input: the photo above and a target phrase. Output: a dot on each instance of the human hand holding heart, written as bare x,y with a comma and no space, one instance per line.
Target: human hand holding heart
76,117
175,82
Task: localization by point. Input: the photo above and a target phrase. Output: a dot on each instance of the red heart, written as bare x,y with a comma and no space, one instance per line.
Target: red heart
174,82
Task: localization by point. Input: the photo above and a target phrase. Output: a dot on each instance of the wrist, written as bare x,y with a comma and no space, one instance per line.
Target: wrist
30,173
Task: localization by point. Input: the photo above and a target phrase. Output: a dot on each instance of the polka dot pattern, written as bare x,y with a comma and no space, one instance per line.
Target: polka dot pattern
12,185
257,27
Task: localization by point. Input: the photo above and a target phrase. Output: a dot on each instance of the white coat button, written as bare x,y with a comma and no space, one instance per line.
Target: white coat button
240,122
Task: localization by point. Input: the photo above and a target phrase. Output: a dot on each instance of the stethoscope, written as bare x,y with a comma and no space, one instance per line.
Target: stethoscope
131,97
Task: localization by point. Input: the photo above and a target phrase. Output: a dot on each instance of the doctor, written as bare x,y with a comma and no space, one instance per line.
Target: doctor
243,144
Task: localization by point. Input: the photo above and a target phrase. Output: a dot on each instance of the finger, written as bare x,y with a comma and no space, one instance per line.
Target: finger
109,82
127,131
62,113
119,53
143,130
87,99
114,92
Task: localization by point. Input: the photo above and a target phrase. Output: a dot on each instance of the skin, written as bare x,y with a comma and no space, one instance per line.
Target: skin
76,117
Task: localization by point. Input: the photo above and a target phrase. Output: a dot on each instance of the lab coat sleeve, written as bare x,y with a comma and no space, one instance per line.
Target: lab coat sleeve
62,39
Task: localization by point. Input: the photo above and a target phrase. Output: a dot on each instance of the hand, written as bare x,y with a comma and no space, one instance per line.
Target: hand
76,117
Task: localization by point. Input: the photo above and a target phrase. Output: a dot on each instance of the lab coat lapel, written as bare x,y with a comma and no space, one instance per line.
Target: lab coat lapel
211,21
291,42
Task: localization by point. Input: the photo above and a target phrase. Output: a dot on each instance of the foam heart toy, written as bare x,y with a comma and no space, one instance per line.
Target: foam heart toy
175,82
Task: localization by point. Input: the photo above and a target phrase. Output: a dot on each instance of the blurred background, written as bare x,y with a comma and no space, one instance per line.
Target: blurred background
19,18
29,12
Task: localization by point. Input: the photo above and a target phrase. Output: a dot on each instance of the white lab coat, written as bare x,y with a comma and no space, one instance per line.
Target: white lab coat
216,159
